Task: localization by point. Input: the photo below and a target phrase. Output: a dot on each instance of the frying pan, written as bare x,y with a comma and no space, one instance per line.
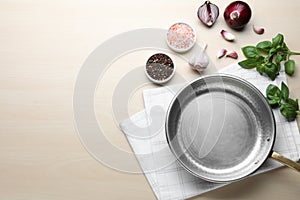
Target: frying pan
221,128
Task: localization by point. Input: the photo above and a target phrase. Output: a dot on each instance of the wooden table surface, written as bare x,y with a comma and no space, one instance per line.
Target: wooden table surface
43,45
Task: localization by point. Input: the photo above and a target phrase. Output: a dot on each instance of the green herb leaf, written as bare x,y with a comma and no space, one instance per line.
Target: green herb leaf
289,67
250,52
290,108
264,46
273,91
259,68
288,111
277,41
284,91
294,103
278,67
274,103
273,95
272,52
278,59
284,57
271,70
248,64
267,56
251,63
284,47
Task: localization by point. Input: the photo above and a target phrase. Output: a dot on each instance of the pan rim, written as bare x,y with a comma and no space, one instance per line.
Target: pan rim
269,110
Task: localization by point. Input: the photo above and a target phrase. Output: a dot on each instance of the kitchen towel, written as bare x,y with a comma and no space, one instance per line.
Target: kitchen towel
168,179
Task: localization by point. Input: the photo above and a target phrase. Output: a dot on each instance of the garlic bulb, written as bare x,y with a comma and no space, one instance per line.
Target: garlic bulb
199,61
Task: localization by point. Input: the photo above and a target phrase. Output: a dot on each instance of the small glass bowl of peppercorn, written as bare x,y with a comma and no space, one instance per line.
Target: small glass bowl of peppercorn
160,68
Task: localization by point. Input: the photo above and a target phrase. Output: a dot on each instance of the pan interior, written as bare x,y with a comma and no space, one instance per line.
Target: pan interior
220,128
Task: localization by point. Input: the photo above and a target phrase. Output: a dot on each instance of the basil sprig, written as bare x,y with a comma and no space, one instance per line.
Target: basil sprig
267,56
288,107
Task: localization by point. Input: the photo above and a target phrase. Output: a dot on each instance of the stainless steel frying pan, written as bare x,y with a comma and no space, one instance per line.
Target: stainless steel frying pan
221,129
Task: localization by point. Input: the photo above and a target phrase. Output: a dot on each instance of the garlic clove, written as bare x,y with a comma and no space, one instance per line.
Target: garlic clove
208,13
221,53
232,54
258,30
227,36
199,61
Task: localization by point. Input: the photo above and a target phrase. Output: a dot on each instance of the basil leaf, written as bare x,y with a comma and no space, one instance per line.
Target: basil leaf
284,91
277,41
278,66
294,103
267,57
264,46
288,111
273,95
289,67
273,91
251,63
270,70
284,47
271,52
278,59
274,103
259,68
250,52
284,57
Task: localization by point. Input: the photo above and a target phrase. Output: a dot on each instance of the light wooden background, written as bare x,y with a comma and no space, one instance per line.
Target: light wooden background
43,44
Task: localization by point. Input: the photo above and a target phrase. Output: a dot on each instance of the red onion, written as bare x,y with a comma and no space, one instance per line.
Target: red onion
237,14
208,13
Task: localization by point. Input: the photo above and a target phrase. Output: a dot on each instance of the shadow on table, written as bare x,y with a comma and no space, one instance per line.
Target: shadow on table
267,185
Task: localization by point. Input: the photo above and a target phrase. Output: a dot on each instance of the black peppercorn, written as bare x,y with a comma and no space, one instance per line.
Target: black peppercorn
159,67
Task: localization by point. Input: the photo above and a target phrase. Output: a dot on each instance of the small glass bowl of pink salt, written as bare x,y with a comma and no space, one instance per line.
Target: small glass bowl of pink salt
181,37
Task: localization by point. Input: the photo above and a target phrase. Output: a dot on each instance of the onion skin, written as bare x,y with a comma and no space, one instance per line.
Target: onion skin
237,14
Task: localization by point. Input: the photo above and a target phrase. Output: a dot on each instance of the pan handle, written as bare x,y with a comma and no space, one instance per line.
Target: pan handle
287,162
